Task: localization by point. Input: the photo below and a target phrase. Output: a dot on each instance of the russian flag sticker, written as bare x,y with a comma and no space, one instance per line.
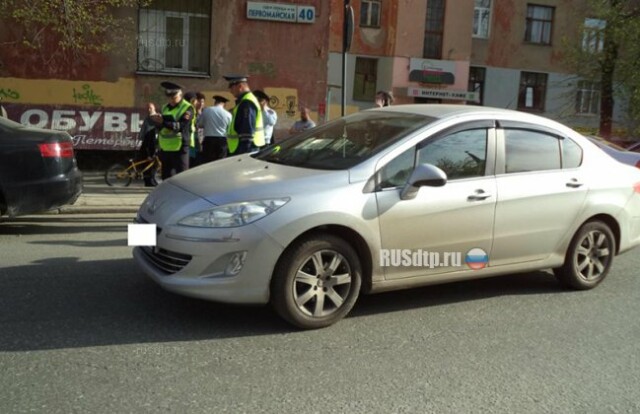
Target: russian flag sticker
476,259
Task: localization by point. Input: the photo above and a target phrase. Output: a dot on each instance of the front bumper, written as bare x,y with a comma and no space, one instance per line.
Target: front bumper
203,263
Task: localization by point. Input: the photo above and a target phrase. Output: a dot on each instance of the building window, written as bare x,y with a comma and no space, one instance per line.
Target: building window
174,37
588,98
476,83
370,13
593,36
539,24
481,18
434,29
365,79
533,90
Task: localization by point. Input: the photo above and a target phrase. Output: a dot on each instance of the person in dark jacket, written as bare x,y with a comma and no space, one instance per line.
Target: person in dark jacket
148,135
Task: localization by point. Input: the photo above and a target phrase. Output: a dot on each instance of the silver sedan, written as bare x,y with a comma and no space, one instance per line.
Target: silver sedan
388,199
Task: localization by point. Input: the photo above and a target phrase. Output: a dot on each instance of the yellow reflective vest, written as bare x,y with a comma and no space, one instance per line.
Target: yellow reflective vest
168,139
258,136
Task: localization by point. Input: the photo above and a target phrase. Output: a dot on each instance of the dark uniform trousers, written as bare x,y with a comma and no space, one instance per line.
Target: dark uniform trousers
174,162
214,148
245,145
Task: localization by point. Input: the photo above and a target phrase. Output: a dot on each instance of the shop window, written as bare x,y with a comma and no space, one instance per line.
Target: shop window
365,79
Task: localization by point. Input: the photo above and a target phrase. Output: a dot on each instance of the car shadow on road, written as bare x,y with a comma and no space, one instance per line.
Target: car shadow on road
530,283
70,303
62,224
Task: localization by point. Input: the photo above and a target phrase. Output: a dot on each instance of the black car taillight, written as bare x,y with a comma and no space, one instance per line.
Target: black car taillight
56,150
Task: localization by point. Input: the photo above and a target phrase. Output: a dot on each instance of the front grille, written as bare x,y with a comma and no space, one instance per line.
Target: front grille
166,261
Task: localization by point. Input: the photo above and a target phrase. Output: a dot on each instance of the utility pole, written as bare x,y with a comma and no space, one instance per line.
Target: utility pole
347,34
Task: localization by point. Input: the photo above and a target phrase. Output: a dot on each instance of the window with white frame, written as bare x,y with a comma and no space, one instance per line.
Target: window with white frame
593,36
588,98
539,24
174,37
481,18
370,13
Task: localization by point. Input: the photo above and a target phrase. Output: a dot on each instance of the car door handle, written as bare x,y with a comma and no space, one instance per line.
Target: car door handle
479,195
574,183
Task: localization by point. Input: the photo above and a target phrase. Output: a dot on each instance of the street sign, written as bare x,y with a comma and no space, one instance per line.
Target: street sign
281,12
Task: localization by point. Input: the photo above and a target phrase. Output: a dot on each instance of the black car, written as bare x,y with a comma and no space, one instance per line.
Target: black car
38,169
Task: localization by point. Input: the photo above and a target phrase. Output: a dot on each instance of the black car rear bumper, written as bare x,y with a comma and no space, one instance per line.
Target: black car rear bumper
37,196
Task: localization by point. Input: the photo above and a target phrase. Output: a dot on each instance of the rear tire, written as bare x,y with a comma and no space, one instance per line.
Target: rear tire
589,257
118,176
316,282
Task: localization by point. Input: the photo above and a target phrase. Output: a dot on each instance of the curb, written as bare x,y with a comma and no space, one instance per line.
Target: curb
97,210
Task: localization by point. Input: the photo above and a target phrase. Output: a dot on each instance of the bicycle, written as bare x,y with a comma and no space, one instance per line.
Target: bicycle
122,176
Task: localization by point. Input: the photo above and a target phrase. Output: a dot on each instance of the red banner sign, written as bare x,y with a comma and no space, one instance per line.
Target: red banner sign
91,128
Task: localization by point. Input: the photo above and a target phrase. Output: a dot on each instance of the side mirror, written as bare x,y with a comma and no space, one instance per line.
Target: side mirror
424,175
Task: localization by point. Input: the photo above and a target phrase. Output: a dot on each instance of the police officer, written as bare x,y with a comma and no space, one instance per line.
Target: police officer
175,136
246,131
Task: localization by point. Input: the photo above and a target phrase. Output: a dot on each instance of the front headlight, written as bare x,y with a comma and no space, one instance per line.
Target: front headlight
235,214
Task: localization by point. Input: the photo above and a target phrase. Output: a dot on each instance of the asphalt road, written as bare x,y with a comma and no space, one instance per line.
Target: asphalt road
82,330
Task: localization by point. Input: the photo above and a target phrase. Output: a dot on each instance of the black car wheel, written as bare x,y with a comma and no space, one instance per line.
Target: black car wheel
316,282
589,257
118,176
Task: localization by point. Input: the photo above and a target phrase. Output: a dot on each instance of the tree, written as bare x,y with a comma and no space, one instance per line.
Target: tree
609,52
59,36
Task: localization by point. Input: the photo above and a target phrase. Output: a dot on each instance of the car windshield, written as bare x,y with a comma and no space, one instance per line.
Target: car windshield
345,142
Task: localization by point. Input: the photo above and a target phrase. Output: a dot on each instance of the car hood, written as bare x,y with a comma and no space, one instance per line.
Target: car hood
244,178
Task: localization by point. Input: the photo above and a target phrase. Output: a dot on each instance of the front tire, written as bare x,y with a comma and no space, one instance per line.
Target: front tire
316,282
589,257
118,176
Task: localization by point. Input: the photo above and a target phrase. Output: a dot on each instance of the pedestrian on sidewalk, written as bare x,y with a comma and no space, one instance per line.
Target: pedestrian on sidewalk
148,136
303,123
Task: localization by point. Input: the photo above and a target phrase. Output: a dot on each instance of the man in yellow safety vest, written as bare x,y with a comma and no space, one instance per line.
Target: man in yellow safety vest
175,131
246,129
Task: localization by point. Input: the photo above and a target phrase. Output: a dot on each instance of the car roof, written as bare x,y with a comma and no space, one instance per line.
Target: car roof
452,110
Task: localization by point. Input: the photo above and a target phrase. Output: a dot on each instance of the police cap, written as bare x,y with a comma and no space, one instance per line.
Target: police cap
171,88
219,98
236,79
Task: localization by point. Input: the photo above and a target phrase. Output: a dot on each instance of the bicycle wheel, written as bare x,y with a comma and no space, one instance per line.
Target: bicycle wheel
118,176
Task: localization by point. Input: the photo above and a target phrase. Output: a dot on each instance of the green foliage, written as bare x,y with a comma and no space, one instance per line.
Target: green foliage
616,61
77,26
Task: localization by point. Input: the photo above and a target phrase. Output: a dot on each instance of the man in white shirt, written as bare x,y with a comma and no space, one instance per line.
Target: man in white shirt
269,116
303,123
214,121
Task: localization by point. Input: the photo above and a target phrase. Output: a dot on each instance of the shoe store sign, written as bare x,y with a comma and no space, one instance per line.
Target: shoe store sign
95,129
281,12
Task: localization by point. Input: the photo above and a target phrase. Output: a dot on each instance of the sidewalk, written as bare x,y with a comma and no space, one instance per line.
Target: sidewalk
98,197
